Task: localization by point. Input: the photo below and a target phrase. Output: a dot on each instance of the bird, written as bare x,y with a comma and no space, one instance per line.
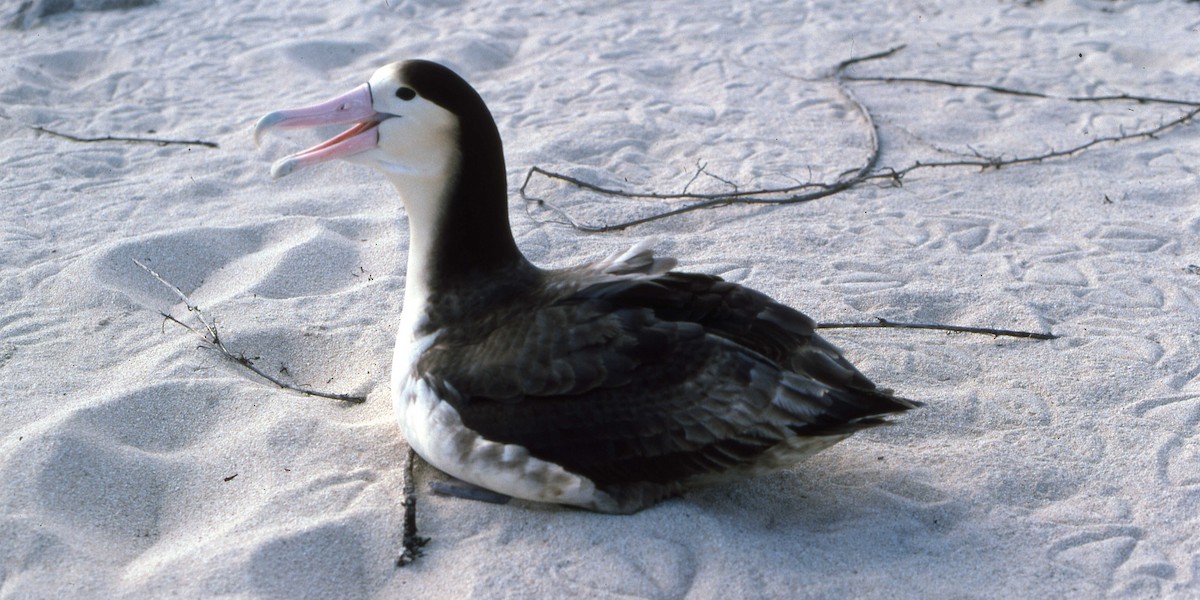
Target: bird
608,386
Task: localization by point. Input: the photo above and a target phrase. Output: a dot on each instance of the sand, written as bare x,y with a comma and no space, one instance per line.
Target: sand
135,463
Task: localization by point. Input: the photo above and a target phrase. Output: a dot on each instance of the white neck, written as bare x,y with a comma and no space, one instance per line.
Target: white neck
422,197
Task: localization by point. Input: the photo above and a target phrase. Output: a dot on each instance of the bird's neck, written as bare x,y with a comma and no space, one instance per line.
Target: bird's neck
460,241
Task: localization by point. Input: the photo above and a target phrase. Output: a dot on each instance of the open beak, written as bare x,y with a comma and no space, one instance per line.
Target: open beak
354,106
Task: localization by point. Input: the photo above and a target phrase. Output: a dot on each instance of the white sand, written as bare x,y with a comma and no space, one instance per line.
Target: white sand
1039,469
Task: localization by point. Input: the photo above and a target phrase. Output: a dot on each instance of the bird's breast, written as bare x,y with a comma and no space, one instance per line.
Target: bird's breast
435,431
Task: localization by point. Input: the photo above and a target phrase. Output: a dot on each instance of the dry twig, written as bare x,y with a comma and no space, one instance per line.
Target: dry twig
413,544
805,192
867,171
884,323
212,339
131,140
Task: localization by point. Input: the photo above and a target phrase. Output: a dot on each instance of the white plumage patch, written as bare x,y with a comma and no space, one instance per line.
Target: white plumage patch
436,432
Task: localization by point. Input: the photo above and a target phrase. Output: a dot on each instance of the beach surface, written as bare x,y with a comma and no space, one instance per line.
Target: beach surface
136,462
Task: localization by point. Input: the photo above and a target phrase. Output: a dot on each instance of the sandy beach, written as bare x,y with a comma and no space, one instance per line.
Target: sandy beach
136,462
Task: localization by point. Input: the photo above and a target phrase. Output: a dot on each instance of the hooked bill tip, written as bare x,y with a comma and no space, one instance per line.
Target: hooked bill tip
268,121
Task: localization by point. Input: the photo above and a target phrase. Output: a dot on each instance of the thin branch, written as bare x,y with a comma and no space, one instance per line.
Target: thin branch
535,170
1016,92
699,171
849,62
997,162
819,190
702,169
883,323
132,140
212,338
413,545
953,84
868,171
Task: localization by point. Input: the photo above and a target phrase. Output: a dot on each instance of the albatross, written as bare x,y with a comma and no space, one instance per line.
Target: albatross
608,386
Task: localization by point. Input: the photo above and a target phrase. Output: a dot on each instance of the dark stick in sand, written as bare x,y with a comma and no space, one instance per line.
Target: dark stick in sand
212,339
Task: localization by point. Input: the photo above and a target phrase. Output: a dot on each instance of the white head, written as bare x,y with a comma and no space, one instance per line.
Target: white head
431,134
397,130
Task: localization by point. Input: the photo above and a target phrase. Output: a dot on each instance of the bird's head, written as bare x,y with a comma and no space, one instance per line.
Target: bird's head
431,134
411,120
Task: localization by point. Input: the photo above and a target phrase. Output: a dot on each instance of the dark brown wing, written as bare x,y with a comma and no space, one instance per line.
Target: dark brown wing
653,380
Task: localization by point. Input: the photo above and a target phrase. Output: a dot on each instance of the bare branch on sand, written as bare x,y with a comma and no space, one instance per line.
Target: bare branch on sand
867,171
209,334
130,140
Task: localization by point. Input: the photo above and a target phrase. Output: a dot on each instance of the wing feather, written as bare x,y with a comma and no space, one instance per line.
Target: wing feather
653,379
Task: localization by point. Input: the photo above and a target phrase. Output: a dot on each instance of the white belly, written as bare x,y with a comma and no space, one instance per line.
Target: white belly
435,431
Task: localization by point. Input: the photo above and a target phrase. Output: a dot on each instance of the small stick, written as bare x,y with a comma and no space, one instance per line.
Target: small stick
820,190
1026,93
995,162
212,337
132,140
413,544
842,66
852,178
884,323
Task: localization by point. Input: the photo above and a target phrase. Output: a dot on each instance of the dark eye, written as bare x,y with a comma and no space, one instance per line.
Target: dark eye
406,93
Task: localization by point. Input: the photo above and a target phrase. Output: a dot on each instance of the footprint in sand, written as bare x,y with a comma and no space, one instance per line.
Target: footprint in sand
292,565
1126,238
1097,554
1179,462
649,568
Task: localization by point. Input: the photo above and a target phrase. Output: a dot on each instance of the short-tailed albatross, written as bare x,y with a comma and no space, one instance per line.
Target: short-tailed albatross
607,386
